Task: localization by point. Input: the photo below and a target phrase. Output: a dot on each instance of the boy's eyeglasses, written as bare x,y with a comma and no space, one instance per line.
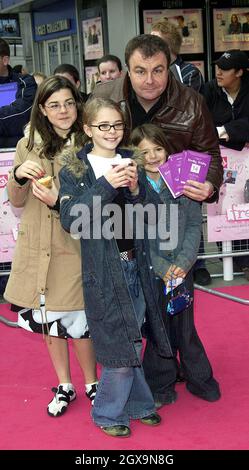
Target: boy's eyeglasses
119,126
56,107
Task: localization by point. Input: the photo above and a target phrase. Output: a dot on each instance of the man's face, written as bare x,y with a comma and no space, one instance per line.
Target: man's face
4,60
149,76
108,71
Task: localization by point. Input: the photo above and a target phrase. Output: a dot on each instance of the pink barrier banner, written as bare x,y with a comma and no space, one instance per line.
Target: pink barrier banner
229,218
9,216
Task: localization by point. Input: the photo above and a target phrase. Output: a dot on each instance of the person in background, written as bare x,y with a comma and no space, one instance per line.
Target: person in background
245,26
235,25
15,116
191,76
39,77
109,67
72,74
46,270
20,69
227,97
150,93
117,280
176,264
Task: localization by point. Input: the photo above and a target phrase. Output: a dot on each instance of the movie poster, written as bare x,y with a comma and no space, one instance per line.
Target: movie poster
231,29
228,219
93,38
92,76
9,217
189,23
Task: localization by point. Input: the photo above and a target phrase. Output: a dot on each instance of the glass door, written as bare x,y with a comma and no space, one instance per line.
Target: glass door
58,51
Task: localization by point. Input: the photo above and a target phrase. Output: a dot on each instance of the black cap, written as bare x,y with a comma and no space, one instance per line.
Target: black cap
233,59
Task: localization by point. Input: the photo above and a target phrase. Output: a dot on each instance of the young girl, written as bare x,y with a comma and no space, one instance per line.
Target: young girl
160,373
46,270
116,292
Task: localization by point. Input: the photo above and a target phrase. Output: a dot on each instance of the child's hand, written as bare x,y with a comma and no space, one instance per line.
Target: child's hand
30,170
174,272
132,177
117,176
46,195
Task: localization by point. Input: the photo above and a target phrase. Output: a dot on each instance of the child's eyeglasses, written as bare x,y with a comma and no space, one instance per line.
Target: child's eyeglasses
119,126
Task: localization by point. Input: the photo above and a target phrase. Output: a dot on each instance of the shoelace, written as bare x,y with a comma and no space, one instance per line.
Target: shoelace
92,392
65,395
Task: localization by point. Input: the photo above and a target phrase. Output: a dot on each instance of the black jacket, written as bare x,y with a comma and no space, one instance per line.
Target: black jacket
235,118
15,116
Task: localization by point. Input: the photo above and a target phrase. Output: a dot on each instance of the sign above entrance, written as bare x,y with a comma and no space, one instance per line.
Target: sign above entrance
49,28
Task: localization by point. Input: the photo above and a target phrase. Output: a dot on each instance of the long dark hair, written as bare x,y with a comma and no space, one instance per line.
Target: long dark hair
51,141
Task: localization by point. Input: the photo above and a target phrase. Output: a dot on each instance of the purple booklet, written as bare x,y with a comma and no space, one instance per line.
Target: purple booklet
166,175
194,166
175,162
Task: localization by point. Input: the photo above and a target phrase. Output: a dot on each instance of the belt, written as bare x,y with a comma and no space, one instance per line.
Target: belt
127,255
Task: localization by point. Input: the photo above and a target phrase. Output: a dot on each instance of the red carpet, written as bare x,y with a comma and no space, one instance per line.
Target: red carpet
190,423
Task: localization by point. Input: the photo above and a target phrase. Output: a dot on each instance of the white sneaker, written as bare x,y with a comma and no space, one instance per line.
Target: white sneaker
92,392
64,394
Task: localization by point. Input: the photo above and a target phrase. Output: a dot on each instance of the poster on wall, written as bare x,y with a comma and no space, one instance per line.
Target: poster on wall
93,38
231,28
9,216
9,26
188,22
228,219
92,77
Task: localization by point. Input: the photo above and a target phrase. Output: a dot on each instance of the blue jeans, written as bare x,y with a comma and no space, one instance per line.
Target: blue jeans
123,392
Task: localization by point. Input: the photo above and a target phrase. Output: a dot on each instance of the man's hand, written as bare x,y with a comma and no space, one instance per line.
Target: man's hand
198,191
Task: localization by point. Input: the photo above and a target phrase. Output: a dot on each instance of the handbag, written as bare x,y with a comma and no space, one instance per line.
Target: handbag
180,299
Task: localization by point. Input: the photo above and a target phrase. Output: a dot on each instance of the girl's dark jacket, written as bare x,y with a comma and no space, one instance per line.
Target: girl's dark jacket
235,118
109,310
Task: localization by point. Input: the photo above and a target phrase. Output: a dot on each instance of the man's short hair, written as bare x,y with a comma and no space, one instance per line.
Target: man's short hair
148,45
170,33
70,69
110,58
4,48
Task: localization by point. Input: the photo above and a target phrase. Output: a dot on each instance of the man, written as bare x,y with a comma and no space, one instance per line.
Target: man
109,67
15,116
150,93
72,74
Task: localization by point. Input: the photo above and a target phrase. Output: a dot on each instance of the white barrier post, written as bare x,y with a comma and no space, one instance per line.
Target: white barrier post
227,261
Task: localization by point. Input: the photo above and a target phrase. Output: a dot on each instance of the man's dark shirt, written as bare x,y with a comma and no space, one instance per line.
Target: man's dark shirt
138,113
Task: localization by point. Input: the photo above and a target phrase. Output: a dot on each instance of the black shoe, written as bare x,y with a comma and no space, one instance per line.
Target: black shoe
117,430
152,420
180,378
169,398
202,277
211,396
